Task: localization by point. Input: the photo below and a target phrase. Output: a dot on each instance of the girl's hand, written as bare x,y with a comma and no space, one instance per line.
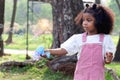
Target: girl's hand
44,55
108,58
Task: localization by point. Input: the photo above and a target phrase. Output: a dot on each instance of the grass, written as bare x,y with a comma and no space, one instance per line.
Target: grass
115,66
115,39
19,41
37,72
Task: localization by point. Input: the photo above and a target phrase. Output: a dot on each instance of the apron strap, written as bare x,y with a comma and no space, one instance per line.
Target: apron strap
101,37
84,37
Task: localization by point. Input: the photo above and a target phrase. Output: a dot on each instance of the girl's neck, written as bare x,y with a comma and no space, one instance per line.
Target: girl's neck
90,33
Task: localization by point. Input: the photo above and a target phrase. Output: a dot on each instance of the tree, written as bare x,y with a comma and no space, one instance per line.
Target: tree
64,13
2,6
98,1
115,6
118,3
9,39
117,54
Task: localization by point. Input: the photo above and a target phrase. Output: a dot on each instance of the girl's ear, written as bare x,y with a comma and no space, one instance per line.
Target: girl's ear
94,6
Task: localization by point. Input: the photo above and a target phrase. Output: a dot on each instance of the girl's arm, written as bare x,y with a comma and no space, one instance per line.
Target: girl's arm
109,49
57,51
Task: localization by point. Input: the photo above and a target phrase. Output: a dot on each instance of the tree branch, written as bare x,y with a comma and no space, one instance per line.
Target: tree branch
9,64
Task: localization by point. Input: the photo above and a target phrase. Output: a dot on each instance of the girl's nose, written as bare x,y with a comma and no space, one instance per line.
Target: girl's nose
84,23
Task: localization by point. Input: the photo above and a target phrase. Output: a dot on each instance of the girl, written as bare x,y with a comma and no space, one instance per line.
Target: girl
95,47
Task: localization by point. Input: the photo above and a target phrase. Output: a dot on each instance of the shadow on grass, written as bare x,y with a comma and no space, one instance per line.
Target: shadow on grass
16,69
50,75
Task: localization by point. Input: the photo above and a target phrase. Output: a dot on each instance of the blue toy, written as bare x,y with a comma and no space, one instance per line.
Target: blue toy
39,52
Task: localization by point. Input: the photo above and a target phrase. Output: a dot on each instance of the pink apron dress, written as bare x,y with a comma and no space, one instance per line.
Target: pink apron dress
90,66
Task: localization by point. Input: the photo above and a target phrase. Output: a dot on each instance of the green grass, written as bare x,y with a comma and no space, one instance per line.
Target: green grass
40,71
34,72
115,39
19,41
115,66
37,72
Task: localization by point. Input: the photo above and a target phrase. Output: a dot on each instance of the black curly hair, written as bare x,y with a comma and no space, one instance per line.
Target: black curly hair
104,17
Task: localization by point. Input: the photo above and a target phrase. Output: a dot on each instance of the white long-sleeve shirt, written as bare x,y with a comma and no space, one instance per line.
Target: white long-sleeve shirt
74,44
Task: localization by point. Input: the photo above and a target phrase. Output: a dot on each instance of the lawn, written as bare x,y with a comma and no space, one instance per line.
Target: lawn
115,66
20,41
39,71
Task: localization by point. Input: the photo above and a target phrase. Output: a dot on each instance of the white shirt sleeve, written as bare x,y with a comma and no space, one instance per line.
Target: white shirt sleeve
109,45
71,45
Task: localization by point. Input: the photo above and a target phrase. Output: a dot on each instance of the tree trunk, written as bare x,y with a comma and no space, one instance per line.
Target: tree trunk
118,3
64,12
98,1
2,6
117,53
9,39
10,64
65,64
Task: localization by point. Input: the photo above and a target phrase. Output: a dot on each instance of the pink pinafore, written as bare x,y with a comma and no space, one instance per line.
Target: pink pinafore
90,66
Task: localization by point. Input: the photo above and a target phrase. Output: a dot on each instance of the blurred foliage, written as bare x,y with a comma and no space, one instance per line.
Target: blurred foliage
113,5
37,10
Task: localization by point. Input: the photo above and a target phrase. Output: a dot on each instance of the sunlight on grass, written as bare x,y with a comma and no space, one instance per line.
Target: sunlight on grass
115,39
115,66
19,41
1,74
13,57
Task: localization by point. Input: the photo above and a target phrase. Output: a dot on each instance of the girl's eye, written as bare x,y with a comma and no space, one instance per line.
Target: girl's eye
89,20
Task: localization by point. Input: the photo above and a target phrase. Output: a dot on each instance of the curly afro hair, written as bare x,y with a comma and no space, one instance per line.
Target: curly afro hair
104,17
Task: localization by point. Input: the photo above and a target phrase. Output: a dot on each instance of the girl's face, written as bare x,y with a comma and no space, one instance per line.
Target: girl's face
88,24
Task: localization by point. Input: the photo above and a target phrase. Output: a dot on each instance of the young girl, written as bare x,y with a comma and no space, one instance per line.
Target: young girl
95,47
